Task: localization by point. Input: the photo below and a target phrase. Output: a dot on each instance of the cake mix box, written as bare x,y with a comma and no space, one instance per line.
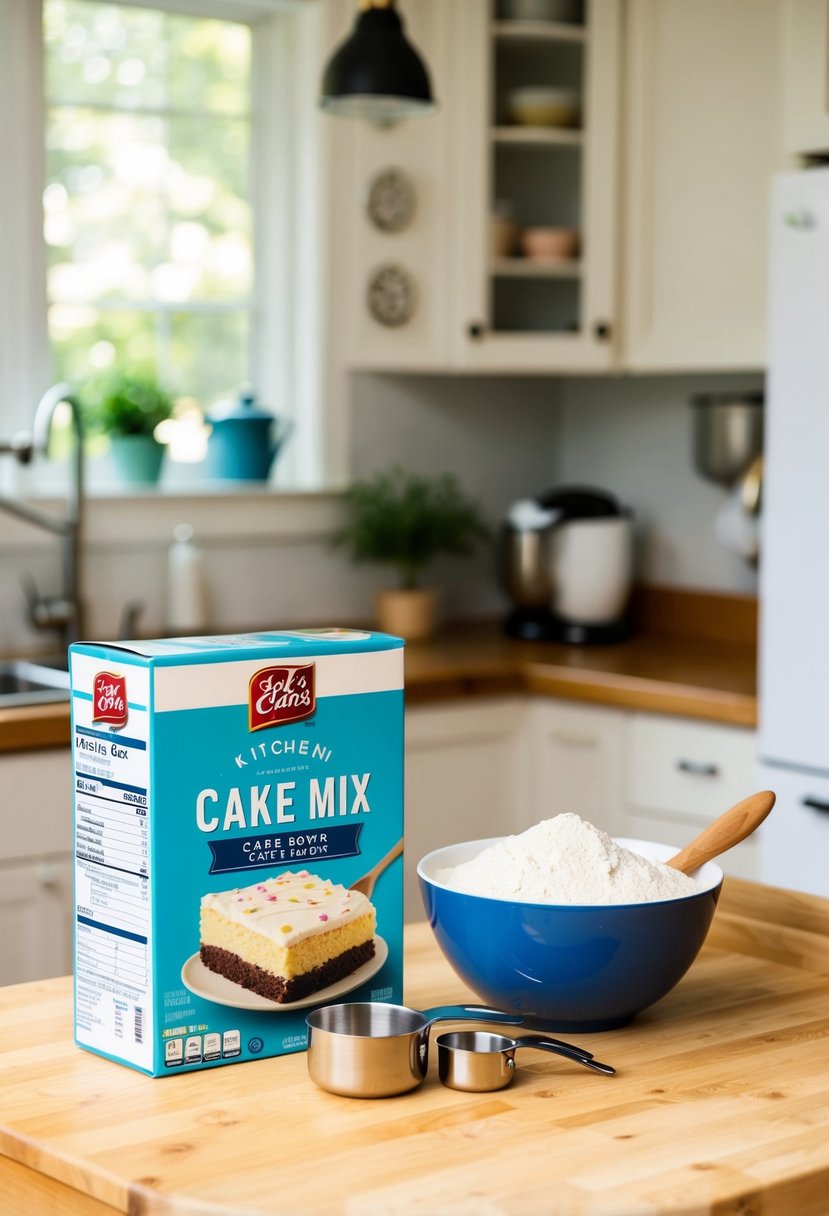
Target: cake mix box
230,794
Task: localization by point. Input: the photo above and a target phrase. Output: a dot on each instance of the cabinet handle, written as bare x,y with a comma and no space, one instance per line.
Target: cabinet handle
475,329
816,804
698,768
47,874
602,330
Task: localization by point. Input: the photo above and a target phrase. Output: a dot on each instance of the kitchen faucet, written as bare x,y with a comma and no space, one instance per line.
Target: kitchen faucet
63,612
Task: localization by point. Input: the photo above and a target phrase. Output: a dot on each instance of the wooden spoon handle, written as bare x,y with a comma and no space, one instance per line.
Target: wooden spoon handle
726,831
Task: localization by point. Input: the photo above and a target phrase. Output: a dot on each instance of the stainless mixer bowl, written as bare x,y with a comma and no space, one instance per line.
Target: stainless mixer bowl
728,435
525,566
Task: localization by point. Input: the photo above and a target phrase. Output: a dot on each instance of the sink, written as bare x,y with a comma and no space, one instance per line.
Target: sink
33,682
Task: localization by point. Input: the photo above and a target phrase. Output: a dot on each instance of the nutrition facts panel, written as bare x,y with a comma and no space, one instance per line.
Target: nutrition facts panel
112,875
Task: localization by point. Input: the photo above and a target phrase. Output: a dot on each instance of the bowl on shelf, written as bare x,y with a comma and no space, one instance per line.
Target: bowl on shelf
571,967
550,244
539,106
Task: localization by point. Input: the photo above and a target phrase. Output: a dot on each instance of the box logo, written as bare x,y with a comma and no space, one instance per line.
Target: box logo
277,695
109,698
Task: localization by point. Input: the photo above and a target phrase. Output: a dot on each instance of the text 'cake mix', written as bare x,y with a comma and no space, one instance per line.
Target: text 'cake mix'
230,793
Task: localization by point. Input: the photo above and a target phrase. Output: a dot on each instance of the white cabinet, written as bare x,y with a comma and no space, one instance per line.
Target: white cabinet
517,312
806,77
492,768
666,178
35,865
702,141
35,920
682,774
578,764
466,778
431,295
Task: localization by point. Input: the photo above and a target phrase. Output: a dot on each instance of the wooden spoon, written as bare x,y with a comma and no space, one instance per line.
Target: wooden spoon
367,882
726,831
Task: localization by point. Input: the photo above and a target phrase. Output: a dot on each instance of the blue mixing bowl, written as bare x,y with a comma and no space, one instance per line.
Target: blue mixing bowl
576,968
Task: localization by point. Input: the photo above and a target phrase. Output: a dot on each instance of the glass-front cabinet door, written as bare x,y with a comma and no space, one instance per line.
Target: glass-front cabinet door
537,183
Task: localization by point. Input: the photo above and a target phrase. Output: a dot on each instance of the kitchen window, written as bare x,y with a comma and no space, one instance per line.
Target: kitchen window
177,145
148,205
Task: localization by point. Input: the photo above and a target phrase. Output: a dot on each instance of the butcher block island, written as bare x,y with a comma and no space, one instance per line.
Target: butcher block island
720,1105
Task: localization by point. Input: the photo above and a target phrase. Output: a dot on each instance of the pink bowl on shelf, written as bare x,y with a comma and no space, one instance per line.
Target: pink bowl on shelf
550,244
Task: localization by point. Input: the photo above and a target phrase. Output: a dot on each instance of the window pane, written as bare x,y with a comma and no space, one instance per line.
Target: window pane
86,339
147,204
210,352
143,207
103,54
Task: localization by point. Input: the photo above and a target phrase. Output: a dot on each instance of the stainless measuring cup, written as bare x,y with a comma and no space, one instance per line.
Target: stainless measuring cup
478,1061
374,1050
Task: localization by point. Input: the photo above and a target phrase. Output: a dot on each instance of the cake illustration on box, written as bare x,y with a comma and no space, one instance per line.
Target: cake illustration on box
288,936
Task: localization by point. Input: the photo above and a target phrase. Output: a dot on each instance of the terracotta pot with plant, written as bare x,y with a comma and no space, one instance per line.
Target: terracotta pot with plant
127,407
405,520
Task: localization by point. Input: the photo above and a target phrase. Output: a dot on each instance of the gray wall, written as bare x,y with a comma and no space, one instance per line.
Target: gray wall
633,435
506,438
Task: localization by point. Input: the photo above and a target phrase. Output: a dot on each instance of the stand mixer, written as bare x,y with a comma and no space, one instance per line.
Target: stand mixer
526,570
565,560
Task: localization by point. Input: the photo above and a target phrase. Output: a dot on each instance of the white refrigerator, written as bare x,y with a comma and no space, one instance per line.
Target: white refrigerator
794,564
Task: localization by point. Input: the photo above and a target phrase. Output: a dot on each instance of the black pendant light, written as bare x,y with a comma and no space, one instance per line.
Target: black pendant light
376,73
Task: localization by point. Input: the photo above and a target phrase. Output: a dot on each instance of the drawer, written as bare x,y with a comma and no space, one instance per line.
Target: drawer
689,768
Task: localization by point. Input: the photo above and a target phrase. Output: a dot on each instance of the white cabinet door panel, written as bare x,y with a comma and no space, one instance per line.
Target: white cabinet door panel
701,143
35,920
36,797
466,773
578,764
806,76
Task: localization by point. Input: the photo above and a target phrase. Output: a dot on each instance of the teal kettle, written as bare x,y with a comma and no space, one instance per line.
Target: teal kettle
244,440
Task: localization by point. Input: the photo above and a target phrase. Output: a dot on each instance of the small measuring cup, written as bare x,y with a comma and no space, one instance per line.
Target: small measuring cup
478,1061
372,1049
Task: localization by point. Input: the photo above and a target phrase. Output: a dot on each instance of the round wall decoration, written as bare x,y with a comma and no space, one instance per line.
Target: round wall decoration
391,200
391,296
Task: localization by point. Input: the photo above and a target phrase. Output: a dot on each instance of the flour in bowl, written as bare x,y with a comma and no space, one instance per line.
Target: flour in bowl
566,860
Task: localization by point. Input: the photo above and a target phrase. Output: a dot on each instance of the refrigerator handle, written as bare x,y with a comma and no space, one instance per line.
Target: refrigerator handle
816,804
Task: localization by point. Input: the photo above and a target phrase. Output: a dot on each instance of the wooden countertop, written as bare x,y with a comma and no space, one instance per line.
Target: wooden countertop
694,655
720,1105
659,673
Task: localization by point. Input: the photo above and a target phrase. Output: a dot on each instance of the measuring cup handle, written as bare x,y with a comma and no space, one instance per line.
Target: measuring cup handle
538,1039
542,1043
474,1013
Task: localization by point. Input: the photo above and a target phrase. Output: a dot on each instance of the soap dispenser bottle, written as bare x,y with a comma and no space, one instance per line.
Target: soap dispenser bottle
186,597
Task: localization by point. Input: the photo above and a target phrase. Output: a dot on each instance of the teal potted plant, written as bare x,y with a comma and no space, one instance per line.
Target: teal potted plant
127,406
405,521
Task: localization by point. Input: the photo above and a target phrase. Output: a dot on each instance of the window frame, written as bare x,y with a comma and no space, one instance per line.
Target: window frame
289,297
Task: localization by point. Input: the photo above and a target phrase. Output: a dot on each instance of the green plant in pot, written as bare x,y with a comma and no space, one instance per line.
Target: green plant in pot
406,520
127,406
